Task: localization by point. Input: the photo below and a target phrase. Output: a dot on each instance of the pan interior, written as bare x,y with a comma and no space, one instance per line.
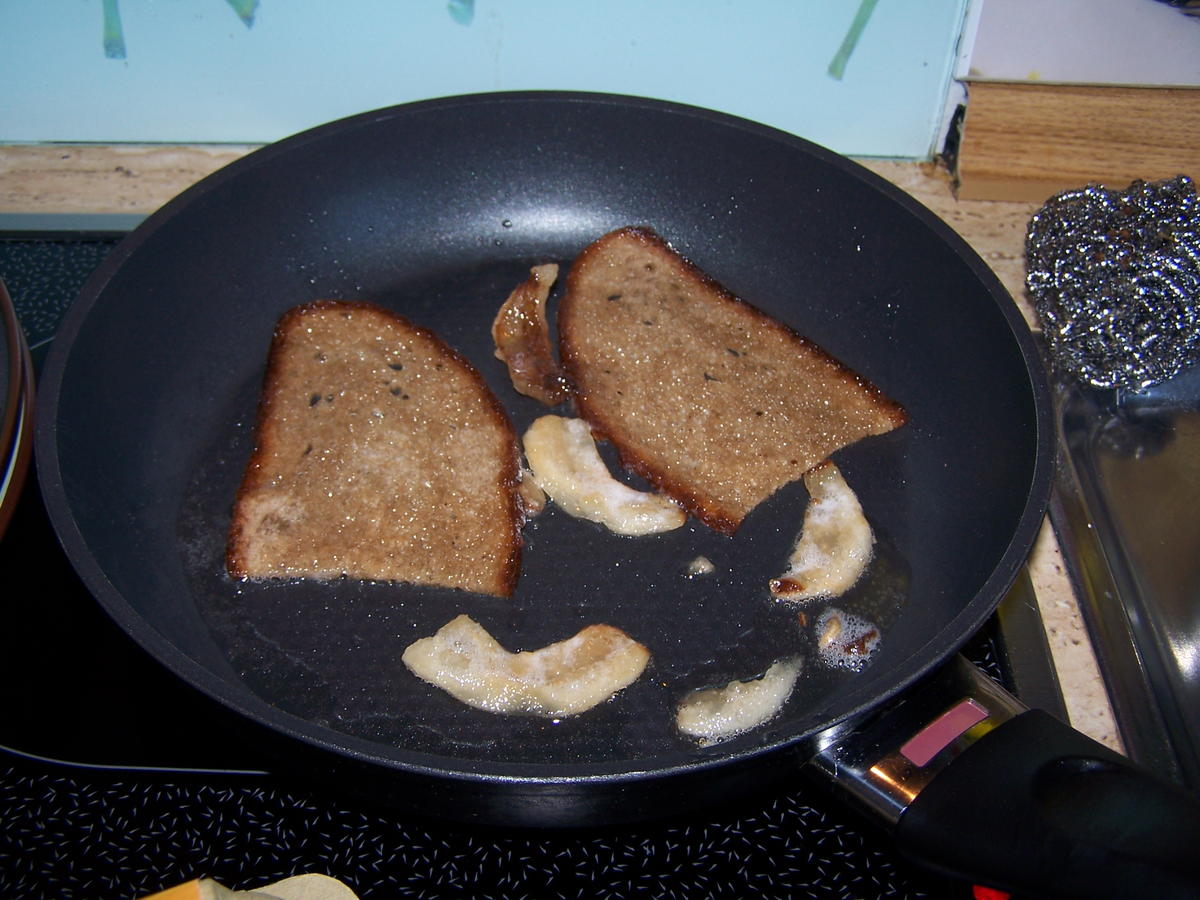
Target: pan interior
156,380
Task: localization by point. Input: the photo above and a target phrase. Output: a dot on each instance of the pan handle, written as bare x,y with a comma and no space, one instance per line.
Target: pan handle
977,787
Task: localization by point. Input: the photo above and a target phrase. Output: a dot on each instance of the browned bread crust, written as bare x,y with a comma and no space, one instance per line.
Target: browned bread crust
710,399
380,454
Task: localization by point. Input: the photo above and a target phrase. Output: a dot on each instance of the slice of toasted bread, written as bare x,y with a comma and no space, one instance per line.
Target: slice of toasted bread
710,399
380,454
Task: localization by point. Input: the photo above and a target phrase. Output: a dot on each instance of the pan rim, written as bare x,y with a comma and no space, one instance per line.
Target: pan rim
952,634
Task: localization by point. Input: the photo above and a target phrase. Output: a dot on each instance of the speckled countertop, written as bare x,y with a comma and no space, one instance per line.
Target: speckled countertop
55,179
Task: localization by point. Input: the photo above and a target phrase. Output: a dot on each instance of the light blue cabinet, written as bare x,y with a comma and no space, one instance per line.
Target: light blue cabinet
242,71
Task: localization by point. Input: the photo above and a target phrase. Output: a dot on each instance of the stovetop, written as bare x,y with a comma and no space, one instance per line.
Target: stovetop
1125,512
117,780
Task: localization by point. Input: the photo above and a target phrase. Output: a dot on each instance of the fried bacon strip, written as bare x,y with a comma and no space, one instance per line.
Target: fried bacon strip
522,335
835,544
714,714
561,679
566,464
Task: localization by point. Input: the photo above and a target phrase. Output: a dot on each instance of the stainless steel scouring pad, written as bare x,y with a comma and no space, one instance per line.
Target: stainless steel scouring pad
1115,281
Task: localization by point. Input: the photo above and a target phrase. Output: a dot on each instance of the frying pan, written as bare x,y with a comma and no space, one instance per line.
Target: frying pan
437,210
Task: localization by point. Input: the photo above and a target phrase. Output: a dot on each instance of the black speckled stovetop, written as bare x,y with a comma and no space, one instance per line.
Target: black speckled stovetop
86,834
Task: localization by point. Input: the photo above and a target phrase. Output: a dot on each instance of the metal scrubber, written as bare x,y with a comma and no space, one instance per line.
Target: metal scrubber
1115,281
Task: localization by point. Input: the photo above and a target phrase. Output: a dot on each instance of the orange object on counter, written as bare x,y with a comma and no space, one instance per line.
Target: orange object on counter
191,890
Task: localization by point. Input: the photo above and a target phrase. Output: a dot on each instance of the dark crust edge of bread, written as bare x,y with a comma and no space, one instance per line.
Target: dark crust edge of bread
252,477
708,512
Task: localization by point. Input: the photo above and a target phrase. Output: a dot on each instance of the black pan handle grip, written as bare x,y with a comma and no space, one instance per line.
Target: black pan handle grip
1038,809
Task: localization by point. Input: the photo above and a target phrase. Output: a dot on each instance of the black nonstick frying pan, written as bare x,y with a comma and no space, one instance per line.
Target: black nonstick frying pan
437,210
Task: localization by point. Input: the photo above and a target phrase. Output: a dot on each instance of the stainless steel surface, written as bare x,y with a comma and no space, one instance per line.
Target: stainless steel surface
867,759
1126,514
